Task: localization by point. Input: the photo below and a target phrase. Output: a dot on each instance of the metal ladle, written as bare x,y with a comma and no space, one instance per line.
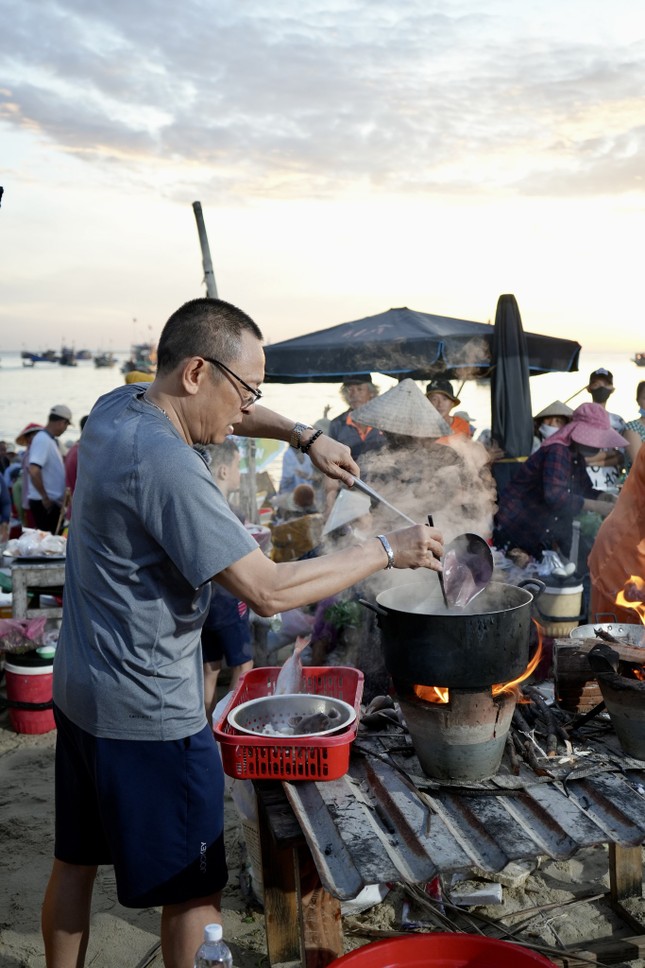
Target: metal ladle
467,559
467,568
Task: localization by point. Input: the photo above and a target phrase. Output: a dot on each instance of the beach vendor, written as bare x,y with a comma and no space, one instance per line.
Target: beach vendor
360,438
537,508
617,558
442,397
139,779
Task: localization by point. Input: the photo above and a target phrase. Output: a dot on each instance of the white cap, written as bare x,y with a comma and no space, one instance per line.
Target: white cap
213,932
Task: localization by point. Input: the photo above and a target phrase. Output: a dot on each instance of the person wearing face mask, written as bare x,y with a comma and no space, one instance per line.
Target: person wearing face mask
635,430
548,421
605,467
537,508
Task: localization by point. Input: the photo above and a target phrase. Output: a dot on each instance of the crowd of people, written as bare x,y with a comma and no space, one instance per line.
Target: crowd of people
165,583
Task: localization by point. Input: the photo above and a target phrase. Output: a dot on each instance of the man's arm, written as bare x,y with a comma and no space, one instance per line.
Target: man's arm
36,475
269,587
330,457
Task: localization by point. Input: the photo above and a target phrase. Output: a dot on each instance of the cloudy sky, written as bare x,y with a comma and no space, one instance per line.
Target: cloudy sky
349,156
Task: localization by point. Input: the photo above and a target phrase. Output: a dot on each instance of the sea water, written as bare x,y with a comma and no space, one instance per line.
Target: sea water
27,393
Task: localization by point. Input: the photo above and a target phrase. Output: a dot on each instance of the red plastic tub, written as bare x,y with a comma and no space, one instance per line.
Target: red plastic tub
442,950
29,692
247,757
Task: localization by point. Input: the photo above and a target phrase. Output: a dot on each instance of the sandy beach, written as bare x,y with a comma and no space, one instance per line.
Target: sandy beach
547,893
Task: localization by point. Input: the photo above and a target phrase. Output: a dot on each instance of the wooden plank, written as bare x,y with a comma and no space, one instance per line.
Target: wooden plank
321,924
606,952
335,862
627,652
281,912
625,872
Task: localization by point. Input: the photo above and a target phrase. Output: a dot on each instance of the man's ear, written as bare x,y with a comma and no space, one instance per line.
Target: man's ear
194,372
221,472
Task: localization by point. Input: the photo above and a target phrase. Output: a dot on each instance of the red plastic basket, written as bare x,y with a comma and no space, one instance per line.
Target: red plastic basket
442,950
248,757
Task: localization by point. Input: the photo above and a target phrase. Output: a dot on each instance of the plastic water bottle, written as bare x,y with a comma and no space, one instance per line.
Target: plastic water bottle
213,953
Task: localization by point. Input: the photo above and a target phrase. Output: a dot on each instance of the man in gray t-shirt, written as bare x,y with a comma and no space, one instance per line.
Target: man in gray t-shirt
138,775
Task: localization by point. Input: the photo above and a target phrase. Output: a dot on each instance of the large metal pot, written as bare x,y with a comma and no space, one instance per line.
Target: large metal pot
467,648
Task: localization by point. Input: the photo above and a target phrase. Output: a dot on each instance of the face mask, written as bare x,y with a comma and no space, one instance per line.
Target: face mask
601,394
546,431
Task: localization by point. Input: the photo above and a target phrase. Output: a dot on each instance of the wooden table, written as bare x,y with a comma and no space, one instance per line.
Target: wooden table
29,577
323,842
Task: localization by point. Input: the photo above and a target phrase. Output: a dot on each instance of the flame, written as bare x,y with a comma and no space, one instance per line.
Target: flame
638,672
633,596
432,693
530,669
439,694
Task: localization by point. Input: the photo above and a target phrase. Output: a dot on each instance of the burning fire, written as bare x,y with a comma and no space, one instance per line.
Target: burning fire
440,694
633,596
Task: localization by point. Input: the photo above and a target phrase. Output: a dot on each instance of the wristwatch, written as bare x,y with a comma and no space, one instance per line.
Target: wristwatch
296,434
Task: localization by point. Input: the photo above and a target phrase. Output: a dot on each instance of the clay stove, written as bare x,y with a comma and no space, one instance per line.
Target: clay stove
459,734
462,738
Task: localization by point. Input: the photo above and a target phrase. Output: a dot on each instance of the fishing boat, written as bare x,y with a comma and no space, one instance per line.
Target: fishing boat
639,359
143,358
30,359
104,359
67,357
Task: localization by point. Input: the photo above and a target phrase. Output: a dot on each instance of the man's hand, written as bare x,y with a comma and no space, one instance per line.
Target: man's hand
334,459
419,546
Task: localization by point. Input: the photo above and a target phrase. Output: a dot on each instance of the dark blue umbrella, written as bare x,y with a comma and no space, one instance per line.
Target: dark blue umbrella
405,343
511,411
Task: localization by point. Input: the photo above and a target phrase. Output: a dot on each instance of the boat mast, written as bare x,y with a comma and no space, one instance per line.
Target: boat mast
209,275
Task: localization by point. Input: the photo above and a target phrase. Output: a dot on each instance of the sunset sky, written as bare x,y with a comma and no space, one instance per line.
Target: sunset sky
349,157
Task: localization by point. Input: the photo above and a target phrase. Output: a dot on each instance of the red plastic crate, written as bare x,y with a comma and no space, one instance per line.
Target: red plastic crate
248,757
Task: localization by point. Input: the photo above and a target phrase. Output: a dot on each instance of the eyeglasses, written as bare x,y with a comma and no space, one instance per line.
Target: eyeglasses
255,394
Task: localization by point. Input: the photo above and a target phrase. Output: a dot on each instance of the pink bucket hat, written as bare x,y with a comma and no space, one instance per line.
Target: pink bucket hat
590,426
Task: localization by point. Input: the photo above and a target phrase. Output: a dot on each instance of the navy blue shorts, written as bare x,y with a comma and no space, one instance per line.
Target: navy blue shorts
153,809
232,642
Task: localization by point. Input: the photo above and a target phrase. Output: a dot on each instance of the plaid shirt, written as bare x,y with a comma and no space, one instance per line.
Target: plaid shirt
537,508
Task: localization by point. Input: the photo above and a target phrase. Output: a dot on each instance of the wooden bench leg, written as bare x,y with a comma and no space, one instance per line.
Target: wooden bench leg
321,921
280,895
625,880
303,921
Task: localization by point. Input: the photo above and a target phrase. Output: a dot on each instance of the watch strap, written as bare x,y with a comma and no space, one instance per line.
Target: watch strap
296,434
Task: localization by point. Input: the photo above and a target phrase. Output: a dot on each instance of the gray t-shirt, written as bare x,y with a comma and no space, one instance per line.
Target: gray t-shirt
150,529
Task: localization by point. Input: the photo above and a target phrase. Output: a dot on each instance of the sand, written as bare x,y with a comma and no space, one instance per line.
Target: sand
123,938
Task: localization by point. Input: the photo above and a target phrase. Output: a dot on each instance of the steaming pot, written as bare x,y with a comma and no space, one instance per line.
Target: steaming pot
486,642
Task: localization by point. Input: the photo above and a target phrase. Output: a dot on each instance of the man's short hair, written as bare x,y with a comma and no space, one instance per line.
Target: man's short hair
203,327
224,453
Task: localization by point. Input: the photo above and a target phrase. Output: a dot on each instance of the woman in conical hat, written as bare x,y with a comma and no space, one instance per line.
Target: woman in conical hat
418,474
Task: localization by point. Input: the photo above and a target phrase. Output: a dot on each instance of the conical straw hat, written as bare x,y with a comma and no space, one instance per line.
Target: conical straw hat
349,505
403,410
555,409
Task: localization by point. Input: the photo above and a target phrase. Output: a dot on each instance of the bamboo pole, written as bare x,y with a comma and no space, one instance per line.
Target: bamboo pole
209,275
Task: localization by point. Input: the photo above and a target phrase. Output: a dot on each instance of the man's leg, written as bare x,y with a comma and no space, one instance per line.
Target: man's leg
182,929
238,671
66,914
